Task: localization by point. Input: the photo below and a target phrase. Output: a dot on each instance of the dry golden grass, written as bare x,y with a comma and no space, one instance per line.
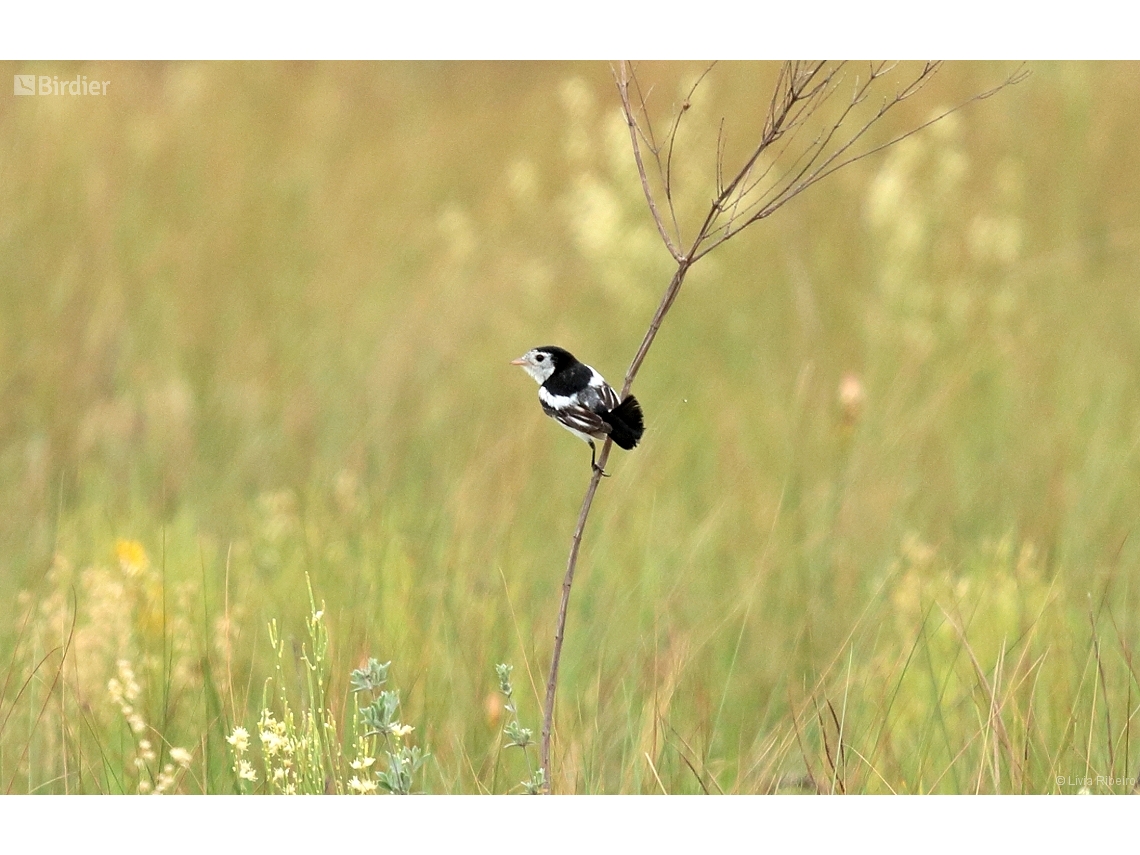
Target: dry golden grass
879,536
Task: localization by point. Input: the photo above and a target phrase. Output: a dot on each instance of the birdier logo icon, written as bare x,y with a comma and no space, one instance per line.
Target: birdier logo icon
45,84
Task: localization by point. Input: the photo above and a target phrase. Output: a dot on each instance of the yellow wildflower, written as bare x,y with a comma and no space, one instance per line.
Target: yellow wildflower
132,556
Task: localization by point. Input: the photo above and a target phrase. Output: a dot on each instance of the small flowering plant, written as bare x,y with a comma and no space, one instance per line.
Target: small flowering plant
243,768
380,719
517,735
302,753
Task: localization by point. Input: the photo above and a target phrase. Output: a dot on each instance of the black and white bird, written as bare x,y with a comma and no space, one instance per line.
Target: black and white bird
578,398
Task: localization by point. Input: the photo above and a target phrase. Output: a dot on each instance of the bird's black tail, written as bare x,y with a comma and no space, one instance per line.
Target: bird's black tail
626,424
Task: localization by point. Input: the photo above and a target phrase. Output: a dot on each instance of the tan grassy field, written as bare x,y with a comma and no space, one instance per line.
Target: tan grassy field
255,326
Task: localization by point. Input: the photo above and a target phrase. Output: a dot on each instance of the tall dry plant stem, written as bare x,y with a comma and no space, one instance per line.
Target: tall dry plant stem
810,131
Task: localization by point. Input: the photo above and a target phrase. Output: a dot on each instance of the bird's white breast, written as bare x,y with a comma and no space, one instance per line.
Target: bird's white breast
557,402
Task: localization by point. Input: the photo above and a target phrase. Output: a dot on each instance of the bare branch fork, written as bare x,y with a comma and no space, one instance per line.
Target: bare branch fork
775,170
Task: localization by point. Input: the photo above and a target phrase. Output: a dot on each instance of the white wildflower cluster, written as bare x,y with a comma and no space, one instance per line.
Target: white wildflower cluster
365,786
168,777
604,204
239,741
146,755
124,691
363,783
279,749
944,249
181,757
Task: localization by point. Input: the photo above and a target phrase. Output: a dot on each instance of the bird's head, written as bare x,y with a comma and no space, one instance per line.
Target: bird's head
541,362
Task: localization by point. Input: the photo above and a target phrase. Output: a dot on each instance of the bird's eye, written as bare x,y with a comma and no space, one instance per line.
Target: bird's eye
540,358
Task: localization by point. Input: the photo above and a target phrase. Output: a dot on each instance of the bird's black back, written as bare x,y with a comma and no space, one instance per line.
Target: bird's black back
568,379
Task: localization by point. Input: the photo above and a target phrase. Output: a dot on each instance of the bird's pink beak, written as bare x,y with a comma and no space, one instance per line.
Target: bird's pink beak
519,361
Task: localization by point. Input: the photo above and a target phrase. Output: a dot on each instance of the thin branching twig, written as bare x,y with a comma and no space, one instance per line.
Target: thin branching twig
777,168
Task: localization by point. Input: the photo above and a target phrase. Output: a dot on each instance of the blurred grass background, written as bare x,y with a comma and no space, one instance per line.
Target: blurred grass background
255,322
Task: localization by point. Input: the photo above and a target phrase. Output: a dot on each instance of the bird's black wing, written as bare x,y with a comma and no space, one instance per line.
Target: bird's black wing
578,418
600,396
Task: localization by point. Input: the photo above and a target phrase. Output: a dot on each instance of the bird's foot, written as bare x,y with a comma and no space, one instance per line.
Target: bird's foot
594,462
